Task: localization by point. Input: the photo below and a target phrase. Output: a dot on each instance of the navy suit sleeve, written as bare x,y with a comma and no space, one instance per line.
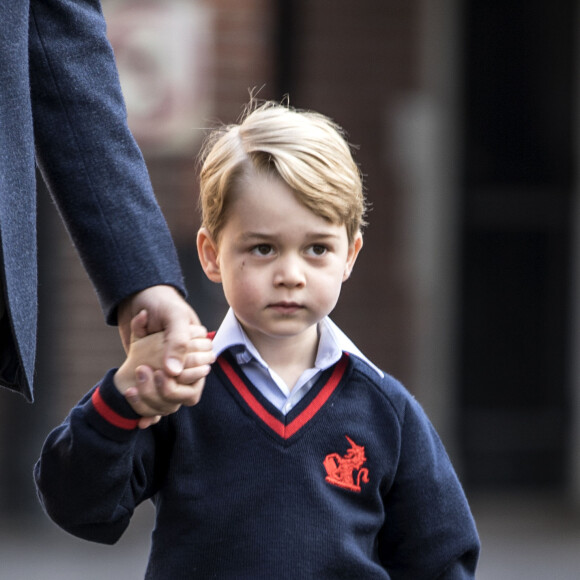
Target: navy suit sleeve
429,531
97,466
88,157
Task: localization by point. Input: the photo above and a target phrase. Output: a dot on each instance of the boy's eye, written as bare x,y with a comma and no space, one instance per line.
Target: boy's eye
317,250
262,250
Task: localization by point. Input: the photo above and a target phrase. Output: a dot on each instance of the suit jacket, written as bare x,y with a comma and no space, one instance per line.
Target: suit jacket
61,106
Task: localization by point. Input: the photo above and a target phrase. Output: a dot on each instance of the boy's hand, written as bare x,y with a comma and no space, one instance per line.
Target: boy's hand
152,393
154,384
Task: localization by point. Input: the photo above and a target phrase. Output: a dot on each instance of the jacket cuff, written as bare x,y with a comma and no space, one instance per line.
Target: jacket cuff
109,412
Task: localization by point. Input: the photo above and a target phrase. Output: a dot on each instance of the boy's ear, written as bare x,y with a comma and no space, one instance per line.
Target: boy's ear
207,251
353,251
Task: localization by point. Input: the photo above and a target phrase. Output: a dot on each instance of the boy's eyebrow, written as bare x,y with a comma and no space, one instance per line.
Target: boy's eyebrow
245,236
255,236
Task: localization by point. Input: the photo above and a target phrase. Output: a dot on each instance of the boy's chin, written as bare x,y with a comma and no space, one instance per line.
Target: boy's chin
282,330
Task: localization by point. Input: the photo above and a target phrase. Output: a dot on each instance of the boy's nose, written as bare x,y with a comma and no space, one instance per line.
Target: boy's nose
289,272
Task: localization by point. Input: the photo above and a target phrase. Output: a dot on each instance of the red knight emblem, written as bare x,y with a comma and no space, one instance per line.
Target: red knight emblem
341,470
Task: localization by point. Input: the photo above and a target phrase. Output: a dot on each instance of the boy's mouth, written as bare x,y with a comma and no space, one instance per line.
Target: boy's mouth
286,307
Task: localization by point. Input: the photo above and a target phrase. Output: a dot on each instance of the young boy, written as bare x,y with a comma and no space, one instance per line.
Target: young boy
302,459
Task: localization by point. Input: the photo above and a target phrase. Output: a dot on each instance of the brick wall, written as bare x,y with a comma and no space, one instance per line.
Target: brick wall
354,62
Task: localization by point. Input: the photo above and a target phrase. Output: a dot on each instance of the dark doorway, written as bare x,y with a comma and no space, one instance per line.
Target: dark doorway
517,183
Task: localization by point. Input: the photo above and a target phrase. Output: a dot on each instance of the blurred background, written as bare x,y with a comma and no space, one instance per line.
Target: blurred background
465,118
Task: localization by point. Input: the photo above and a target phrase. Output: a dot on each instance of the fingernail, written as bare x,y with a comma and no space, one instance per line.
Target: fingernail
174,366
140,376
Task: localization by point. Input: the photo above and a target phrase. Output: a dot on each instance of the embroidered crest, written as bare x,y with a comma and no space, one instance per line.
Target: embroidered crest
347,471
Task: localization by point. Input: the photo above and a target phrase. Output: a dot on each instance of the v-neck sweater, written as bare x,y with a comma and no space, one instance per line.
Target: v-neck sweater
352,483
332,342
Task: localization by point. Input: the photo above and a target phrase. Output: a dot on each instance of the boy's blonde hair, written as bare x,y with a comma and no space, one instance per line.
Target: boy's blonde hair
305,149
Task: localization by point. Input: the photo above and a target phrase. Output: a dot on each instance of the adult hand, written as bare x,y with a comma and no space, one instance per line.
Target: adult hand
162,392
167,312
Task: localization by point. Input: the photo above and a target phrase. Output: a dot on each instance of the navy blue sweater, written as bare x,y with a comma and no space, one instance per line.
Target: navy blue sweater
352,483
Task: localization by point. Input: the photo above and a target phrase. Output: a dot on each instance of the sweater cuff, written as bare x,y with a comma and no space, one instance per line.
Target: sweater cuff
109,412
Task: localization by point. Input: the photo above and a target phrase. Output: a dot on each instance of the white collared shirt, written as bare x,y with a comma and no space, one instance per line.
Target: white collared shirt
332,343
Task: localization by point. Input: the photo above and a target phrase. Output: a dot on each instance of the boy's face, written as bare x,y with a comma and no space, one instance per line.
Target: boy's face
281,265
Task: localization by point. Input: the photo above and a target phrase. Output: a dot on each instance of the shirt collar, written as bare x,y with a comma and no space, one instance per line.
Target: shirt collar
333,342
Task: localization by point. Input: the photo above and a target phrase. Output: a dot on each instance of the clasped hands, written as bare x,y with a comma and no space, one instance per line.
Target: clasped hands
168,354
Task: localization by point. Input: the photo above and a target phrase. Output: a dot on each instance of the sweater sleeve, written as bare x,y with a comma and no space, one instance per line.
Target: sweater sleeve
97,466
429,530
89,158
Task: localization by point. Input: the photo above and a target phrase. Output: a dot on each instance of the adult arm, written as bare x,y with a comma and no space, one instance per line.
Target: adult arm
88,157
98,178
